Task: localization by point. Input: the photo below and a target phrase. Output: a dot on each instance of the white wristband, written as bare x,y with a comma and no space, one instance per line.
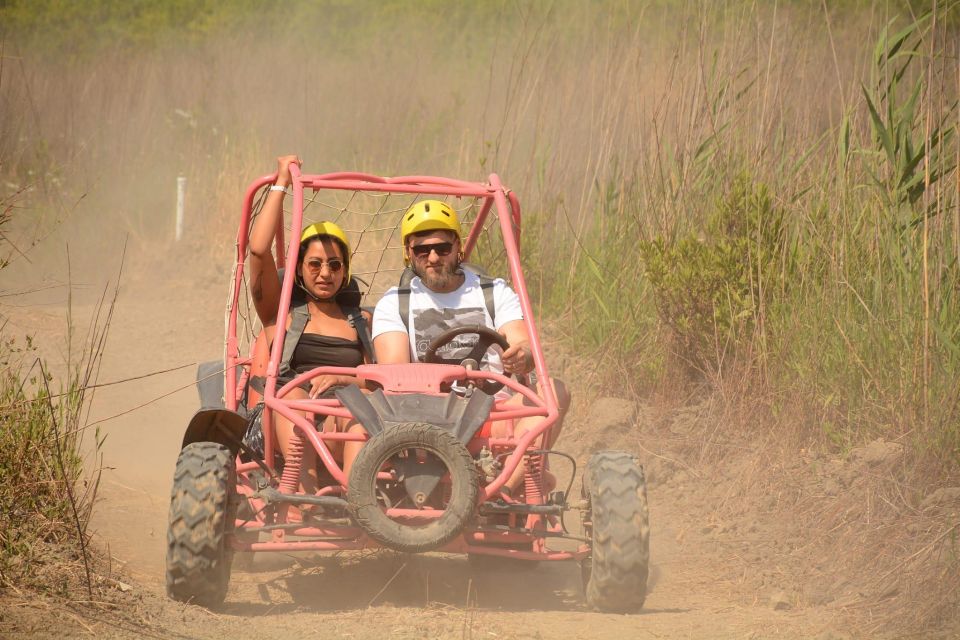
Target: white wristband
277,187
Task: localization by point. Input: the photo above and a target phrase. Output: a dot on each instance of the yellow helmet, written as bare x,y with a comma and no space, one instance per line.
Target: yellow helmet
428,215
334,231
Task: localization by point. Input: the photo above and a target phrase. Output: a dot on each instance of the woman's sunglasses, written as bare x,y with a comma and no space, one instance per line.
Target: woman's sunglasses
423,250
316,266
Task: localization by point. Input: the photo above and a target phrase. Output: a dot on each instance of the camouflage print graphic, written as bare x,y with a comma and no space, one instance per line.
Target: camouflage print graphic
430,323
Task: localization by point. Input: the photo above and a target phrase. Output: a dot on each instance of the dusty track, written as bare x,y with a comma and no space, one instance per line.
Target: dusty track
698,586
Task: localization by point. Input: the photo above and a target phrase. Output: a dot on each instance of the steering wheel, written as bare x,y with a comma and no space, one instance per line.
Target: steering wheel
486,337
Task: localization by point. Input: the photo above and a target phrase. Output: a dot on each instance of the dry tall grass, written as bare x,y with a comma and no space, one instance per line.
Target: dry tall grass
559,102
49,475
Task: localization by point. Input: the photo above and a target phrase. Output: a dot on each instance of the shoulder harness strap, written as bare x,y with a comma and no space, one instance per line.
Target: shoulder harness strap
487,285
403,291
356,319
299,316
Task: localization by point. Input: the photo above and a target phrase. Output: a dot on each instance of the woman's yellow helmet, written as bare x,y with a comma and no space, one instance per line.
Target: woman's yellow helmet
334,231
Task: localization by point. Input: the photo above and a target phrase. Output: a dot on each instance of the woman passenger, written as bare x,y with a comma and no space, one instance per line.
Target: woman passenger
328,339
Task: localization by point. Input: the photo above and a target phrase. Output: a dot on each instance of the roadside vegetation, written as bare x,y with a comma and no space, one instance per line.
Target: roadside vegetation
752,202
49,470
815,274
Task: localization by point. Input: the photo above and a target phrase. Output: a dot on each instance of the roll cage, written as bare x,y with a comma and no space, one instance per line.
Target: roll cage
407,378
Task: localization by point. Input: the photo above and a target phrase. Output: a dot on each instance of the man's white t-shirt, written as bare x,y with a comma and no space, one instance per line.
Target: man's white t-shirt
432,313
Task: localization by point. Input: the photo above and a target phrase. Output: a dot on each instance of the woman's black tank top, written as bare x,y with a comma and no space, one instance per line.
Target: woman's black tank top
315,350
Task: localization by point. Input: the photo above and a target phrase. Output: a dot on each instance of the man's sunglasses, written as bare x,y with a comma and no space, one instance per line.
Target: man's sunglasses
334,264
423,250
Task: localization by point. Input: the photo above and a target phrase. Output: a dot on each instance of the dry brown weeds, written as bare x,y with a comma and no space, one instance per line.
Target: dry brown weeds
861,537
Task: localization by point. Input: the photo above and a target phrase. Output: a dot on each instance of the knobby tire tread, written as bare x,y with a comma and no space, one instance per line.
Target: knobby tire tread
616,488
362,494
201,508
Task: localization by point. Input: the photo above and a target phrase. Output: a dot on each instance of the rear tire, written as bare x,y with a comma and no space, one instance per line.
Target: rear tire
364,493
202,513
615,575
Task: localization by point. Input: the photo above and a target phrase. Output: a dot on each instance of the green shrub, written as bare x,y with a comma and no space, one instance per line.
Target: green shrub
711,291
44,500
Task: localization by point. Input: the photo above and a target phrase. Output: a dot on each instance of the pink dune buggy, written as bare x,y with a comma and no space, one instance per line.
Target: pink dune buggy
430,473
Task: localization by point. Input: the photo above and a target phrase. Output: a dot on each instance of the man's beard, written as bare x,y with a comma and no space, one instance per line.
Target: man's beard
437,279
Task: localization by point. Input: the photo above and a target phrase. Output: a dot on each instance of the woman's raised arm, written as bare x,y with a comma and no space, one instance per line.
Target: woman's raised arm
264,283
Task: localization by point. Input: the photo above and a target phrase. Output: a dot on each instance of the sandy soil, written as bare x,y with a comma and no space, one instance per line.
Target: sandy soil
707,580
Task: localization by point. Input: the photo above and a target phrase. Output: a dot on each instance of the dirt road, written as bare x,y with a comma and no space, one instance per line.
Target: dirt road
697,587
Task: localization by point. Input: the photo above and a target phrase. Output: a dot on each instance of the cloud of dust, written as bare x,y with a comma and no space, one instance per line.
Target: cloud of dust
555,100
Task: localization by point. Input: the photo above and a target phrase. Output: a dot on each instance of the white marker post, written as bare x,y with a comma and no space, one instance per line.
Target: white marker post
181,191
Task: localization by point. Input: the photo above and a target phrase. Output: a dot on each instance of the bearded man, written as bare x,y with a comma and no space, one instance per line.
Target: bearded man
443,296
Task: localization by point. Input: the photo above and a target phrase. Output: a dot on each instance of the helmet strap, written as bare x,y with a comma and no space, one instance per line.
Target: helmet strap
312,296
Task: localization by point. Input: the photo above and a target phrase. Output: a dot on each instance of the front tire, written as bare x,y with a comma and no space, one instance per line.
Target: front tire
202,507
615,575
455,494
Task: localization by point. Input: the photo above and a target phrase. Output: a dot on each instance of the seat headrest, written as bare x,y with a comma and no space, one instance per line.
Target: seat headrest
350,295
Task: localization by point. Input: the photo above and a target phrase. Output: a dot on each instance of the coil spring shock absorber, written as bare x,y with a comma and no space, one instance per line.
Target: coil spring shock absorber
533,478
290,480
533,489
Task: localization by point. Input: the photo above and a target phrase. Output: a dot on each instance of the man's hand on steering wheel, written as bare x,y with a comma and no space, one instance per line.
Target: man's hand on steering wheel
517,359
485,338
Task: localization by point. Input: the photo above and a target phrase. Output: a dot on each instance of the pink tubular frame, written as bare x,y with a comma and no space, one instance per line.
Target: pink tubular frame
493,195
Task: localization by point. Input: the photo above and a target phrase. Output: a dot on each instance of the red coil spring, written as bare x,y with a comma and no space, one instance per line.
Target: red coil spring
533,479
290,480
